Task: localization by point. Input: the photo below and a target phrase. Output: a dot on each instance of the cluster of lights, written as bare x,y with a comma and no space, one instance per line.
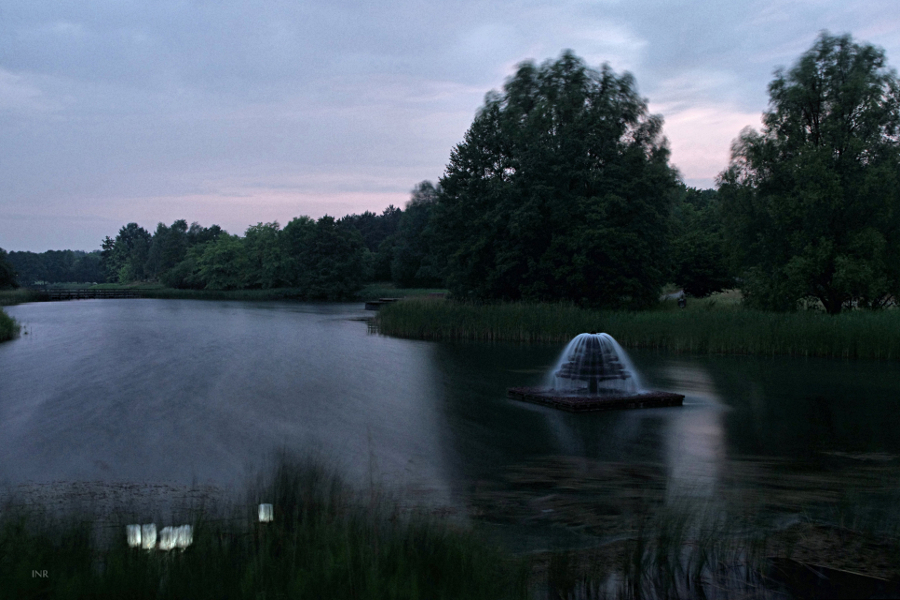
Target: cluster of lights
169,538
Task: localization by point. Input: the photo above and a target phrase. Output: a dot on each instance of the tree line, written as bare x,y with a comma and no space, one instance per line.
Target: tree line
562,191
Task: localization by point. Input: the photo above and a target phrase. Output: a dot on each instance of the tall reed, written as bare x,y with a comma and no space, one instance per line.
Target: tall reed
702,328
9,328
326,542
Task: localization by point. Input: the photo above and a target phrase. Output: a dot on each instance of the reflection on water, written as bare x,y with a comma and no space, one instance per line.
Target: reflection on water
182,391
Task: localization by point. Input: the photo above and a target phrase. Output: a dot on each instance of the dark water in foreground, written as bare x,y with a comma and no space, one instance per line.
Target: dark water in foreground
190,391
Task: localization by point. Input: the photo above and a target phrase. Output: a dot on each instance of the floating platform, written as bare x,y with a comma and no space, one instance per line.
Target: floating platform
575,402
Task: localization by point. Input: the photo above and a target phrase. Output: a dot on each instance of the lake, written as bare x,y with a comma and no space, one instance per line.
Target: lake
197,393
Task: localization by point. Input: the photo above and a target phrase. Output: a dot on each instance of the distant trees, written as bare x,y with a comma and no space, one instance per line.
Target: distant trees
7,272
379,234
56,266
325,259
698,252
812,203
560,191
414,263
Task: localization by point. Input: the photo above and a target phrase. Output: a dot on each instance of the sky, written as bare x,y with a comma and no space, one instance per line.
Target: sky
234,113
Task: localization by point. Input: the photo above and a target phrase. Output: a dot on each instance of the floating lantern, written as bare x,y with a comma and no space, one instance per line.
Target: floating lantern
184,536
167,538
133,534
148,536
266,513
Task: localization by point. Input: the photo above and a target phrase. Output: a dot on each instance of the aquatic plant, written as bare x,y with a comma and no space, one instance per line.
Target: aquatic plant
9,328
704,327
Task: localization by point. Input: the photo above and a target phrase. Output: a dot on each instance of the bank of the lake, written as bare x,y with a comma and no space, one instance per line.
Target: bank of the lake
704,327
9,328
326,541
372,291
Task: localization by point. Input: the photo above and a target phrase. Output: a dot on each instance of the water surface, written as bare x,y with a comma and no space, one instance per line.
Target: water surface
204,392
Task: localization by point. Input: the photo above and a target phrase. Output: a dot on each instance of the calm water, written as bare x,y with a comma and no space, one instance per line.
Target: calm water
188,391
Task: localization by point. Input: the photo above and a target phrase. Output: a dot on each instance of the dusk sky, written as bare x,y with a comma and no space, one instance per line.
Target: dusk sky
235,113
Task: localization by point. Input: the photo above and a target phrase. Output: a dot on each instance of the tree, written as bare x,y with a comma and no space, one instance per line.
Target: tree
412,262
124,259
266,256
7,272
223,264
326,259
560,191
812,203
699,257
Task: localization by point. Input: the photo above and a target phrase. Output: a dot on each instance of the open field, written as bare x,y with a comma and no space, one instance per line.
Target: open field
716,325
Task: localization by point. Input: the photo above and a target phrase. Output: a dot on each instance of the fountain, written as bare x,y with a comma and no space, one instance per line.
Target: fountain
594,373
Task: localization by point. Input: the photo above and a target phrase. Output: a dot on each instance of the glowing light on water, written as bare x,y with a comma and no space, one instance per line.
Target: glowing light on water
266,513
133,534
167,538
145,536
594,363
184,536
148,536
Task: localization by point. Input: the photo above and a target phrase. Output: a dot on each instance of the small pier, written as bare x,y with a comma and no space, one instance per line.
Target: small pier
587,402
376,304
85,294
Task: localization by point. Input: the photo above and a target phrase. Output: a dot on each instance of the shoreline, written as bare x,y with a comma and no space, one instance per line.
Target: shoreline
706,327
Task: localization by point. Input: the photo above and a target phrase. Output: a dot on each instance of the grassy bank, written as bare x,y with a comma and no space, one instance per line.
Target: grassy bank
326,542
9,328
704,327
18,296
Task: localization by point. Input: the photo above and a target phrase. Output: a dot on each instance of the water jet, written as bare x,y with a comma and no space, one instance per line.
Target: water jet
594,373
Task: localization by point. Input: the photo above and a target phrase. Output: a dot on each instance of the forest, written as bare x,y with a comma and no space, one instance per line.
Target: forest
561,190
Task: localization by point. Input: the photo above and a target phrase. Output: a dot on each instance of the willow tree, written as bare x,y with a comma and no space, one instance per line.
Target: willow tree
559,191
812,203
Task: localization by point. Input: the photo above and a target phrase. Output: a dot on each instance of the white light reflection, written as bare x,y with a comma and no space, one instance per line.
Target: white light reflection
184,536
695,436
148,536
133,534
266,513
144,536
167,538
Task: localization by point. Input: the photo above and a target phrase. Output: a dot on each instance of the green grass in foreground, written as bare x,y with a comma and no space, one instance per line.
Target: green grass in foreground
327,542
9,328
704,327
330,542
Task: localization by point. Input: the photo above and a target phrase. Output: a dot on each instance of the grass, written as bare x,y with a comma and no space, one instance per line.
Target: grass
18,296
9,328
717,325
383,289
326,542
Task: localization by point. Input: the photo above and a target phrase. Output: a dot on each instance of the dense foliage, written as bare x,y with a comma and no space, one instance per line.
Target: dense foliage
7,272
414,263
54,266
560,190
324,259
812,203
698,251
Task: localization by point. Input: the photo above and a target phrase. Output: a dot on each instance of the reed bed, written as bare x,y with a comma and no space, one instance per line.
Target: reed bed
9,328
326,542
704,327
18,296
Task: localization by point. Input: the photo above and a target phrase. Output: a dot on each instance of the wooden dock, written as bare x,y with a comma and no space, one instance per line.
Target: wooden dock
85,294
585,403
376,304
